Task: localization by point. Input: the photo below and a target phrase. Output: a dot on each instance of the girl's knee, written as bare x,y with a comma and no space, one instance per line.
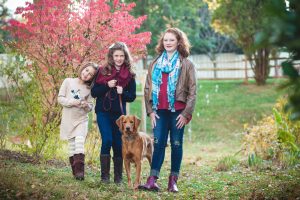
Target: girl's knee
159,144
176,144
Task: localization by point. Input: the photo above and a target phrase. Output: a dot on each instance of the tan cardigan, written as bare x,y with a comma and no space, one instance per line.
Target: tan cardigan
74,120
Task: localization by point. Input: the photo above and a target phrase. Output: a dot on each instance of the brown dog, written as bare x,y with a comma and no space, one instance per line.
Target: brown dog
135,146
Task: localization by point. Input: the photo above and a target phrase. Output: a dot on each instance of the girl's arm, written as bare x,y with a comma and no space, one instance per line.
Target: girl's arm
99,90
148,90
192,91
88,107
62,96
129,92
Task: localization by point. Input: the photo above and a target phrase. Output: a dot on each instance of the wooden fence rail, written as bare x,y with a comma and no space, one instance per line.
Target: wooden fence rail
244,66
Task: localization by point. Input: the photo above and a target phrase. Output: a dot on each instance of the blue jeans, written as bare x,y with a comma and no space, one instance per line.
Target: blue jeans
164,125
110,134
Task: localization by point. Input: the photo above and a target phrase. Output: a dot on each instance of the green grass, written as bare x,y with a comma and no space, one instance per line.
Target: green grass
217,127
227,163
233,105
43,181
213,136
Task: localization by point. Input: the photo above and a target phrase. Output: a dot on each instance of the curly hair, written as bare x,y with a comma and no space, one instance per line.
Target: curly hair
110,60
183,42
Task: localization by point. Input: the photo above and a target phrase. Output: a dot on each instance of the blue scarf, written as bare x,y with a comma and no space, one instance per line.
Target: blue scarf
172,67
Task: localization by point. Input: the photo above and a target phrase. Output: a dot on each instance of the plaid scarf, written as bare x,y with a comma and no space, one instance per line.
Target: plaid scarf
172,67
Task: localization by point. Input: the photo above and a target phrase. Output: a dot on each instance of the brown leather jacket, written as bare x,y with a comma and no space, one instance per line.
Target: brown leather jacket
185,88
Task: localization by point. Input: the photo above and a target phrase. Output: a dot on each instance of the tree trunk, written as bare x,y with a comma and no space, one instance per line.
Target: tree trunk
213,58
145,62
261,66
215,69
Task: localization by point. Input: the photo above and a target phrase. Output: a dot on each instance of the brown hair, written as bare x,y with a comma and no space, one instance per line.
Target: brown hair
94,65
106,70
183,42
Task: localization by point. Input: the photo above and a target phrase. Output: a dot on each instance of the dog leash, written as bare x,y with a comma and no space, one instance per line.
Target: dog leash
121,105
110,98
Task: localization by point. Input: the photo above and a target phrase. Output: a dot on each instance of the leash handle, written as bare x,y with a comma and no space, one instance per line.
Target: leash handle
121,105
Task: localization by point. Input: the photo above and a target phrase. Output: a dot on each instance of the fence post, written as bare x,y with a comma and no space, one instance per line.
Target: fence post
144,114
215,69
246,71
276,67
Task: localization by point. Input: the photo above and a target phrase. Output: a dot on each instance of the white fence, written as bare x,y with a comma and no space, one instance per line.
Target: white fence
227,66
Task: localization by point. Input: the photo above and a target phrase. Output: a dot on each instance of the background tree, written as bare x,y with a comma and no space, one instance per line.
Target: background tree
161,15
284,32
212,42
241,20
4,35
193,17
154,22
60,36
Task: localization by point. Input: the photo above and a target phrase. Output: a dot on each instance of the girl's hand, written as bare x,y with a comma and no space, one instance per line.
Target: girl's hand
181,121
84,104
76,102
112,83
153,117
119,90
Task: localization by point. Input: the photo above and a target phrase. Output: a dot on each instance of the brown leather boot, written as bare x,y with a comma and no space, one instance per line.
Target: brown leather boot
105,168
71,159
151,184
118,169
79,166
172,185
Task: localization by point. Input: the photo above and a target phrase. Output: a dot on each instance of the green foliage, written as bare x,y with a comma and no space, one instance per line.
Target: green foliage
212,42
227,163
4,126
29,107
4,35
261,139
289,159
241,20
274,138
284,32
285,134
161,15
193,17
254,160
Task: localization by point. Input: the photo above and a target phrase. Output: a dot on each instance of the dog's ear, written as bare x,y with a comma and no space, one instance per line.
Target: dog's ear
137,122
119,122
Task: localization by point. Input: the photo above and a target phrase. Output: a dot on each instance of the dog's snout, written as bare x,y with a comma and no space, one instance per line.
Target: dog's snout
127,128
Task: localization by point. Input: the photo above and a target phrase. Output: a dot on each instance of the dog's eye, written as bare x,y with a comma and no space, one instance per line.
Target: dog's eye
131,122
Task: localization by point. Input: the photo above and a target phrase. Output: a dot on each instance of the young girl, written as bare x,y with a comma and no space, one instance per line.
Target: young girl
171,73
75,97
115,85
